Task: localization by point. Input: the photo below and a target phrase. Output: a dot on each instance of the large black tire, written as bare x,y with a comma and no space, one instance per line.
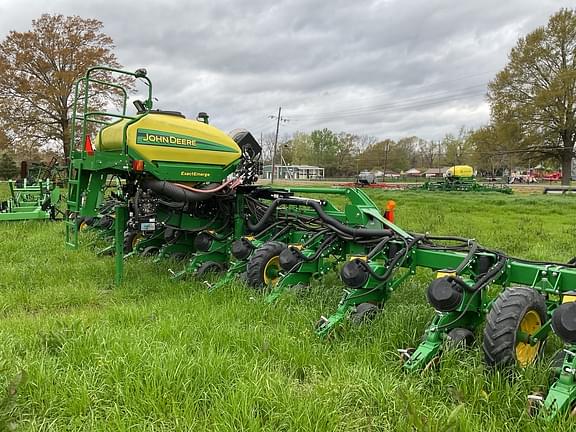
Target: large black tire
263,263
517,308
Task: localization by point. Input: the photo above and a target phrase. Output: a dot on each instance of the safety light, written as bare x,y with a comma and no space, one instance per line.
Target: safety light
138,165
88,146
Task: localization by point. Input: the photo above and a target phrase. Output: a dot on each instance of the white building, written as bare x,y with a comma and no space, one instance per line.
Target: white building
293,172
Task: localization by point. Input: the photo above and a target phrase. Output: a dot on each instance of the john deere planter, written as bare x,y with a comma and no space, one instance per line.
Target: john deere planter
186,191
460,178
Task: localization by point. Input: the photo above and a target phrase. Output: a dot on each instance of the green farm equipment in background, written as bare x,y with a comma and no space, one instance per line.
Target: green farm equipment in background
186,190
460,178
34,172
37,201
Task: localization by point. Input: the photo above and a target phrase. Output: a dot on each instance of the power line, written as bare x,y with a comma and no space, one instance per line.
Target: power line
423,87
413,102
412,106
278,119
404,103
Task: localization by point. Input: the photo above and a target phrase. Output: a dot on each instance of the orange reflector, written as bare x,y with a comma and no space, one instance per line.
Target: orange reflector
88,146
389,213
138,165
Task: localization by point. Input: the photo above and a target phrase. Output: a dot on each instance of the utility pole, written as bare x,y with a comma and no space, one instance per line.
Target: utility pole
278,119
386,150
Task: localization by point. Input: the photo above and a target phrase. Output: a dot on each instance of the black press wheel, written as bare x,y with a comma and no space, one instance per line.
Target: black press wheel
150,251
365,312
178,256
460,338
84,222
131,240
263,268
209,267
105,222
516,312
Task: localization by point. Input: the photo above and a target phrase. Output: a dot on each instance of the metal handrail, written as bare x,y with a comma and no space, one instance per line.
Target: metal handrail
87,116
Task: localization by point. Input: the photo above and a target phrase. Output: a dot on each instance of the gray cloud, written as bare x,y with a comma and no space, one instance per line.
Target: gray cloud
386,68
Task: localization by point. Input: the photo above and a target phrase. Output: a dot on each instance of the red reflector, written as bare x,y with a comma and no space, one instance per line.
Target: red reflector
138,165
88,146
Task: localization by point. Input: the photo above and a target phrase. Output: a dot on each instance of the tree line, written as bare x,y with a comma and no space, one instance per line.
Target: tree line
344,154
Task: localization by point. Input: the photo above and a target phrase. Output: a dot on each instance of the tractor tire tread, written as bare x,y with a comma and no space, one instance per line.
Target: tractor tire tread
503,320
258,261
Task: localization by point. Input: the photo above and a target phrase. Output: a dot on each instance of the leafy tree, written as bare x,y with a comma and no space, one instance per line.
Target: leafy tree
346,154
457,149
38,70
535,93
404,154
426,154
8,168
300,148
324,145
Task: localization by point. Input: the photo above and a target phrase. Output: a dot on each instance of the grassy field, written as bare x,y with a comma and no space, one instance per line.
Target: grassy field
77,353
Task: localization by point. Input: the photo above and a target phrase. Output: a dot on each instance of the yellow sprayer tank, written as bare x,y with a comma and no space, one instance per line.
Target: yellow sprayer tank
158,136
460,171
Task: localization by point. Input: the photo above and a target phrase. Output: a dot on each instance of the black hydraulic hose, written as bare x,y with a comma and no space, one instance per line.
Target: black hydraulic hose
449,238
468,258
176,193
394,261
379,247
315,236
477,288
282,231
172,204
527,261
354,232
269,228
485,279
327,242
490,274
443,248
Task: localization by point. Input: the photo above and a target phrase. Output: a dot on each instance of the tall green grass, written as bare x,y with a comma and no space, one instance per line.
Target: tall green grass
77,353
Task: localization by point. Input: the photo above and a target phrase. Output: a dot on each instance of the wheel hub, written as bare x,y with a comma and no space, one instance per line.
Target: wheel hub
526,352
272,270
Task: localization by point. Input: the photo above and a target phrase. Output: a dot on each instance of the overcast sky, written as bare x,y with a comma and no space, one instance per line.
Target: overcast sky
388,68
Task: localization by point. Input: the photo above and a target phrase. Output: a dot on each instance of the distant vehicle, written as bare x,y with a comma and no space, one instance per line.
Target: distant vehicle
522,178
555,176
365,178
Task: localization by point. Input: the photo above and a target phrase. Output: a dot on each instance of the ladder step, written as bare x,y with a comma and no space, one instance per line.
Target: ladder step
74,182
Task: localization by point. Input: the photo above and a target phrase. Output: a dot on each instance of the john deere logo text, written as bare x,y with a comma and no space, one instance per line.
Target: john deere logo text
146,136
